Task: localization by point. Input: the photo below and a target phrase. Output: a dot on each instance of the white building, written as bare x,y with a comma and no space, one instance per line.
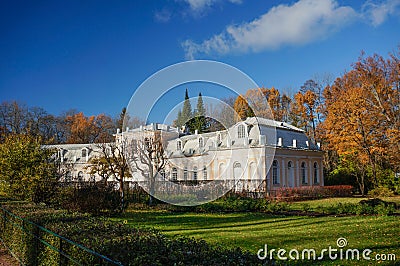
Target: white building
257,154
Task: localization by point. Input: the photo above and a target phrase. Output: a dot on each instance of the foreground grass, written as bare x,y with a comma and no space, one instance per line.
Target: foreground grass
251,231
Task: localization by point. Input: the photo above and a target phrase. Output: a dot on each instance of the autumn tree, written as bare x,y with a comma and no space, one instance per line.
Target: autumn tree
89,129
17,118
112,162
305,107
242,108
146,154
362,116
263,102
26,170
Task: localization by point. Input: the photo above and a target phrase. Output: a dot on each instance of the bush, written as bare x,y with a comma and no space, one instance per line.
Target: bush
94,198
313,192
129,246
381,192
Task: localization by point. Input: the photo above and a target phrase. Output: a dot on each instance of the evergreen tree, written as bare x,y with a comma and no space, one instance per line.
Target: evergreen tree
200,122
178,121
186,113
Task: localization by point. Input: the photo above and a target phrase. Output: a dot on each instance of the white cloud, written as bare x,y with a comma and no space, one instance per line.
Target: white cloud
200,5
300,23
163,15
378,13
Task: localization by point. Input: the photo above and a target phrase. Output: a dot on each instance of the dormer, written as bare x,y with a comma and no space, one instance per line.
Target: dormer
85,154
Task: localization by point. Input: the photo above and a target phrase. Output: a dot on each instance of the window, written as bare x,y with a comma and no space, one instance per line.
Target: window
201,142
80,176
185,174
84,152
147,143
275,173
195,173
303,173
174,174
162,173
204,172
315,173
241,131
68,176
218,139
179,145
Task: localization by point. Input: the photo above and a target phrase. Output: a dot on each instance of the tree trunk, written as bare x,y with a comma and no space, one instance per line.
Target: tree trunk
122,194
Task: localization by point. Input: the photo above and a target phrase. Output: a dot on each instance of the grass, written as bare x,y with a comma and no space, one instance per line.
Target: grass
315,204
251,231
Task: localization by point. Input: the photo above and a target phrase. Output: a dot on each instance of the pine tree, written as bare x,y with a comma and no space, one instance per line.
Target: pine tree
178,121
200,116
186,114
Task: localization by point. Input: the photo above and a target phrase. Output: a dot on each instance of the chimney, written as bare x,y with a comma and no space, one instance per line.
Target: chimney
141,128
294,143
280,142
127,129
228,141
117,130
196,132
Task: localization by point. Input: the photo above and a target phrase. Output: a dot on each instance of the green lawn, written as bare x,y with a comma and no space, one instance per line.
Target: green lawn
251,231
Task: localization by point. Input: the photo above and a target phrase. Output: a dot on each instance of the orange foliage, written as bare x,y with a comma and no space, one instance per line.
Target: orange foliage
89,129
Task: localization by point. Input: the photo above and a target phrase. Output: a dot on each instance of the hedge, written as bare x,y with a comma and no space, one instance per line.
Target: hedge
120,242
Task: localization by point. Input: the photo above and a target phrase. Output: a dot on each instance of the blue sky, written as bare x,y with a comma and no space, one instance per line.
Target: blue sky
92,55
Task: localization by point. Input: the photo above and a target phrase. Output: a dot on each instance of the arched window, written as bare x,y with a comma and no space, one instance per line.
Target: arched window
147,143
303,173
241,131
316,178
84,152
162,173
275,172
68,176
195,173
221,169
179,145
185,174
204,172
80,176
237,171
290,177
218,139
201,142
174,174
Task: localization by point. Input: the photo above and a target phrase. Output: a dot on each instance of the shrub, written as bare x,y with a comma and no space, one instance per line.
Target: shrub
313,192
381,192
129,246
95,198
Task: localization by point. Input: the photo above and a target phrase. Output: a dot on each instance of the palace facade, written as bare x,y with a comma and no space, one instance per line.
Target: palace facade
257,154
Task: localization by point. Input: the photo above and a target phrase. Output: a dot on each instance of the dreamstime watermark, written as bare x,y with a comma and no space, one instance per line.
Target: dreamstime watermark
338,252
